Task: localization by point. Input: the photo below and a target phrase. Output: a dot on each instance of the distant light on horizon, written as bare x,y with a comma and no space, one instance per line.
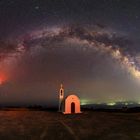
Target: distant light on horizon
111,104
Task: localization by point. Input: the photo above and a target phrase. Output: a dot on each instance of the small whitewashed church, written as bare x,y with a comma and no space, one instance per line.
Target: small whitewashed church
69,104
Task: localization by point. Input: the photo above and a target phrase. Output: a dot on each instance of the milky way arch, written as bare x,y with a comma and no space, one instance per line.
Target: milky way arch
100,40
54,39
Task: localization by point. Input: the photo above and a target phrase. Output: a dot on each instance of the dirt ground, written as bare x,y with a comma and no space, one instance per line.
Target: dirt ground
90,125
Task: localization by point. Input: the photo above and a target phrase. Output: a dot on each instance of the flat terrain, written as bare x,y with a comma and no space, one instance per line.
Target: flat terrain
90,125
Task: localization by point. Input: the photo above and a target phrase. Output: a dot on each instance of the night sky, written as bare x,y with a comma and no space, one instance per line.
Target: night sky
91,46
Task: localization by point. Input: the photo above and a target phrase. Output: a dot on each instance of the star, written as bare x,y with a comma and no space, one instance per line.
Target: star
137,17
37,7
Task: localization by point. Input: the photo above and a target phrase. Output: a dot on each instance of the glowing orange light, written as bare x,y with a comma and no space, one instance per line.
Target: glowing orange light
2,78
1,81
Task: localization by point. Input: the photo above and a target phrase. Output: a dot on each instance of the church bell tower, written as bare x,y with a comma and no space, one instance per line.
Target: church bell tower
61,96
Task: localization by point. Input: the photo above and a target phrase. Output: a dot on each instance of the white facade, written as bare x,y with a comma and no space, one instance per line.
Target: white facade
70,104
61,97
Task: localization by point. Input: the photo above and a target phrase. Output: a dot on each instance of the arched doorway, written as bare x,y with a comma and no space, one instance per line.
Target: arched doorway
71,104
72,107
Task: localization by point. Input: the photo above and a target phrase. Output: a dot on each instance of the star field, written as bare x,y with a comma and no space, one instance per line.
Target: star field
91,46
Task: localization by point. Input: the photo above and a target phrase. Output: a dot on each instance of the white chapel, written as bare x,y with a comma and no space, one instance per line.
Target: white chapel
69,104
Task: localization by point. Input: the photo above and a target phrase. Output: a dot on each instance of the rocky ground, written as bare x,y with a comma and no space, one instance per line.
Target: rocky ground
47,125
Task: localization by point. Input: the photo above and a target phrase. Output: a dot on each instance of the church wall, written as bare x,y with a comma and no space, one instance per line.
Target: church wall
68,101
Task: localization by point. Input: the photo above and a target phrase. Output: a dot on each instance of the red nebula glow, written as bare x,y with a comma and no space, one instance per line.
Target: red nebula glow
2,78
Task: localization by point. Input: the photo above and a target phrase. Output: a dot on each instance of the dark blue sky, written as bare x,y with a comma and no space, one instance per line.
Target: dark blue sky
19,16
